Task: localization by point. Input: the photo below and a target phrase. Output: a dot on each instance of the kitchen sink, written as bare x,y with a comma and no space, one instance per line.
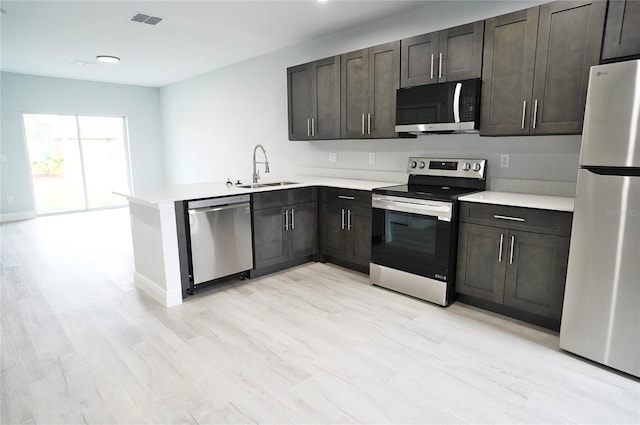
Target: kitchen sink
258,185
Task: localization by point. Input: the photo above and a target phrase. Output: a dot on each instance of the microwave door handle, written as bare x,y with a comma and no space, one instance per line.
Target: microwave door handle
456,102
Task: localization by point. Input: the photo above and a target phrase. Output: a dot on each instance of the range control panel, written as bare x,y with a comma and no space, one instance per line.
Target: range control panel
448,167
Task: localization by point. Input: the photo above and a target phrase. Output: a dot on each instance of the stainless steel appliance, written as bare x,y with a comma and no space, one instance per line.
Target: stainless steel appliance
220,236
414,230
448,107
601,312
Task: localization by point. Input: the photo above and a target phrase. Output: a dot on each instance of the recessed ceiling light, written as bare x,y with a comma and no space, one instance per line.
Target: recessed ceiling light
108,59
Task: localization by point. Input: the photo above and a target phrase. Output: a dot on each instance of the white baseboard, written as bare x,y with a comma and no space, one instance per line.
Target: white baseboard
22,215
155,291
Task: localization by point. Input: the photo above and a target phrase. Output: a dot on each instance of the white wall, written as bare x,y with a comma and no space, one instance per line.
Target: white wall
30,94
212,122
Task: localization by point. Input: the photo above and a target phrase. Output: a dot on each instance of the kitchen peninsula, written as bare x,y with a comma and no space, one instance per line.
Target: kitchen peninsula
155,229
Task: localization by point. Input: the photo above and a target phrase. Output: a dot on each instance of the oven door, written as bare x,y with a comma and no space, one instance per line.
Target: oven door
412,235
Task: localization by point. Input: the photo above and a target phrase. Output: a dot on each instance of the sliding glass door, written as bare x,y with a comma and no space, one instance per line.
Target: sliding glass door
76,161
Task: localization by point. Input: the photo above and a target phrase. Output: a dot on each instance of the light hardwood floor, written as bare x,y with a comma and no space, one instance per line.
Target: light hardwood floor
315,344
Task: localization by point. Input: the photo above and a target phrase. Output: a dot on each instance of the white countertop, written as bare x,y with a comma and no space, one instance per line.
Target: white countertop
544,202
215,189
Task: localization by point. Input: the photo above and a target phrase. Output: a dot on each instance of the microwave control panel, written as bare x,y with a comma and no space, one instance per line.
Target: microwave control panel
468,99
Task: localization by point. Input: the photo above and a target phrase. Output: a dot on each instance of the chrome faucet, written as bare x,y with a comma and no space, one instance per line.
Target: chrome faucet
256,175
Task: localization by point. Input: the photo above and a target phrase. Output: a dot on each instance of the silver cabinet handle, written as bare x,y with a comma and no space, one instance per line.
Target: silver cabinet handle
432,67
293,219
348,219
368,123
513,238
535,112
506,217
350,198
286,219
440,67
363,124
342,219
501,241
524,110
308,127
313,127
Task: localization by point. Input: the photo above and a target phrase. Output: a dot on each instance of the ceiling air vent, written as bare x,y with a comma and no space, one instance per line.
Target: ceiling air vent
143,18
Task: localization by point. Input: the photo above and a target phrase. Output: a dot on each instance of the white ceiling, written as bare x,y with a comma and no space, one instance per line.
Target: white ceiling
48,37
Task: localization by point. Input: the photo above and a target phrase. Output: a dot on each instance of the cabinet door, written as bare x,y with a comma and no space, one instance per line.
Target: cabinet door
325,89
622,34
303,230
536,274
359,219
461,50
419,60
384,80
298,99
354,87
569,41
332,226
269,246
482,260
507,72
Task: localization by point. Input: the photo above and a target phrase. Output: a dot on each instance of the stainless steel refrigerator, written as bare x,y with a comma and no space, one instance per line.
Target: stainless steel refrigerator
601,313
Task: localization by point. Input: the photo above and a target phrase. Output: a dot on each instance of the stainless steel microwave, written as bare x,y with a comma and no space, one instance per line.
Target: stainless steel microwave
451,107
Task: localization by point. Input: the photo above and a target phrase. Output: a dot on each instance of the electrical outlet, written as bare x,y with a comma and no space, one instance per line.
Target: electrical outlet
333,157
504,161
9,199
372,157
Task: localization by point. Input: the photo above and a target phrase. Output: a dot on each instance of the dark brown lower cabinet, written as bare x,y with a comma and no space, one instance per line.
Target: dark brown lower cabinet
284,235
345,228
520,273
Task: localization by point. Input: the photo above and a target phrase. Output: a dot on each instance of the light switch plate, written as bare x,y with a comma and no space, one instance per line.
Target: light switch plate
333,157
372,157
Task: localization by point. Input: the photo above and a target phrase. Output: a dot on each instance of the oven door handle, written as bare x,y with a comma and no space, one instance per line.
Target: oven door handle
442,212
433,207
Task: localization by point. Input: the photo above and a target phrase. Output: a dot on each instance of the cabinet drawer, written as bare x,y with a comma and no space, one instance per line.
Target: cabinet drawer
278,198
270,199
300,195
346,195
528,219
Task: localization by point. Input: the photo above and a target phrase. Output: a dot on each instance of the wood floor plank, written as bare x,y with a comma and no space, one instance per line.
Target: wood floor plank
313,344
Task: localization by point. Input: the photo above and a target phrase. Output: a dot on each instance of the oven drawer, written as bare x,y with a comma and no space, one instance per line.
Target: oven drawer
532,220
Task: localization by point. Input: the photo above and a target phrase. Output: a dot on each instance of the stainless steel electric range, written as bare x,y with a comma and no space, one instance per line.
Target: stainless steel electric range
415,227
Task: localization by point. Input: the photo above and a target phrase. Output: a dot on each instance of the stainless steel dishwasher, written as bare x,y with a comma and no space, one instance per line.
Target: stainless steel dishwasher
220,234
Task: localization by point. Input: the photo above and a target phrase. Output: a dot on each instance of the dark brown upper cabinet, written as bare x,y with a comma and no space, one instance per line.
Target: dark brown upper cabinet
536,68
314,100
447,55
622,32
369,80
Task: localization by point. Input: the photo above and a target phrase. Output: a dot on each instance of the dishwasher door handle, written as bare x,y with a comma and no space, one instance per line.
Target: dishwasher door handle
220,208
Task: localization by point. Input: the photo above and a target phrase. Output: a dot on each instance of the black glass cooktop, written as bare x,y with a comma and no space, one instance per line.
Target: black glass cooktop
419,191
